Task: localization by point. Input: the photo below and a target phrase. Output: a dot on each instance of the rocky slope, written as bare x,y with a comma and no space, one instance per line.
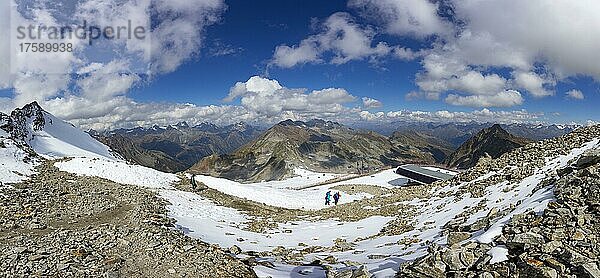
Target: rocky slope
421,144
62,225
493,141
318,146
176,147
559,239
46,135
134,153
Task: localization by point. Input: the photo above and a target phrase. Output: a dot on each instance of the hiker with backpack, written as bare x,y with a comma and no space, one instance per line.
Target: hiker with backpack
328,198
336,197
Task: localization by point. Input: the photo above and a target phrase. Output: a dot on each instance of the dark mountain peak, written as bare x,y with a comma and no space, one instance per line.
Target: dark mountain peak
17,124
316,122
290,122
494,129
33,107
176,147
493,141
317,145
31,110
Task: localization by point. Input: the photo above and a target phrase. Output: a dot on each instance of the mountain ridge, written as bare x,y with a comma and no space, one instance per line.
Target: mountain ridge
316,145
175,148
493,141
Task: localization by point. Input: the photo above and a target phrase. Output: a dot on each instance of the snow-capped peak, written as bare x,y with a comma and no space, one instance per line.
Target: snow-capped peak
49,136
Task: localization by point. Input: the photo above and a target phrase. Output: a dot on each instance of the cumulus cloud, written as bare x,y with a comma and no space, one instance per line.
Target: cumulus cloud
575,94
369,103
408,17
533,83
341,38
266,97
368,116
514,35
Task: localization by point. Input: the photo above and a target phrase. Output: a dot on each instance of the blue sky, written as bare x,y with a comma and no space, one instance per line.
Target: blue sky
252,29
414,59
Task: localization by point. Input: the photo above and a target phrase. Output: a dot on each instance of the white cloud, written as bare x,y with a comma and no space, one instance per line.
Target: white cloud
290,56
490,50
341,38
266,97
533,83
575,94
502,99
368,116
330,96
255,84
369,103
405,17
561,34
97,94
518,36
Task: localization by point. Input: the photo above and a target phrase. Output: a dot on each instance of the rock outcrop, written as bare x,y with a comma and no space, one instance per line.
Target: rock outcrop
21,120
493,142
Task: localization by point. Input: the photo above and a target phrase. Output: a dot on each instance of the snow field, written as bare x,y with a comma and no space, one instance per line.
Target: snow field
60,139
280,193
12,167
118,171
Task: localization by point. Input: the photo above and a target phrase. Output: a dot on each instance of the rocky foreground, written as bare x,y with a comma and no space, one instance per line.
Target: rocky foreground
61,225
563,241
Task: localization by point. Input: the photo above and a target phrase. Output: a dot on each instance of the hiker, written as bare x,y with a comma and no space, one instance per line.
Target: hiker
336,198
193,182
328,198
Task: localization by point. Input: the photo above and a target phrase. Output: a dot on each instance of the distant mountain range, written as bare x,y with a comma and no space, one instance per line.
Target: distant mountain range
321,146
493,141
315,144
175,148
458,133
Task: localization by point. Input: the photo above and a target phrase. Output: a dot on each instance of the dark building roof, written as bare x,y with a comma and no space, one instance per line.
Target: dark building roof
421,175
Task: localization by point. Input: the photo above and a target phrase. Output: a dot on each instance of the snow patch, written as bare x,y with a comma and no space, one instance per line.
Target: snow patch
13,165
499,254
278,193
118,171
